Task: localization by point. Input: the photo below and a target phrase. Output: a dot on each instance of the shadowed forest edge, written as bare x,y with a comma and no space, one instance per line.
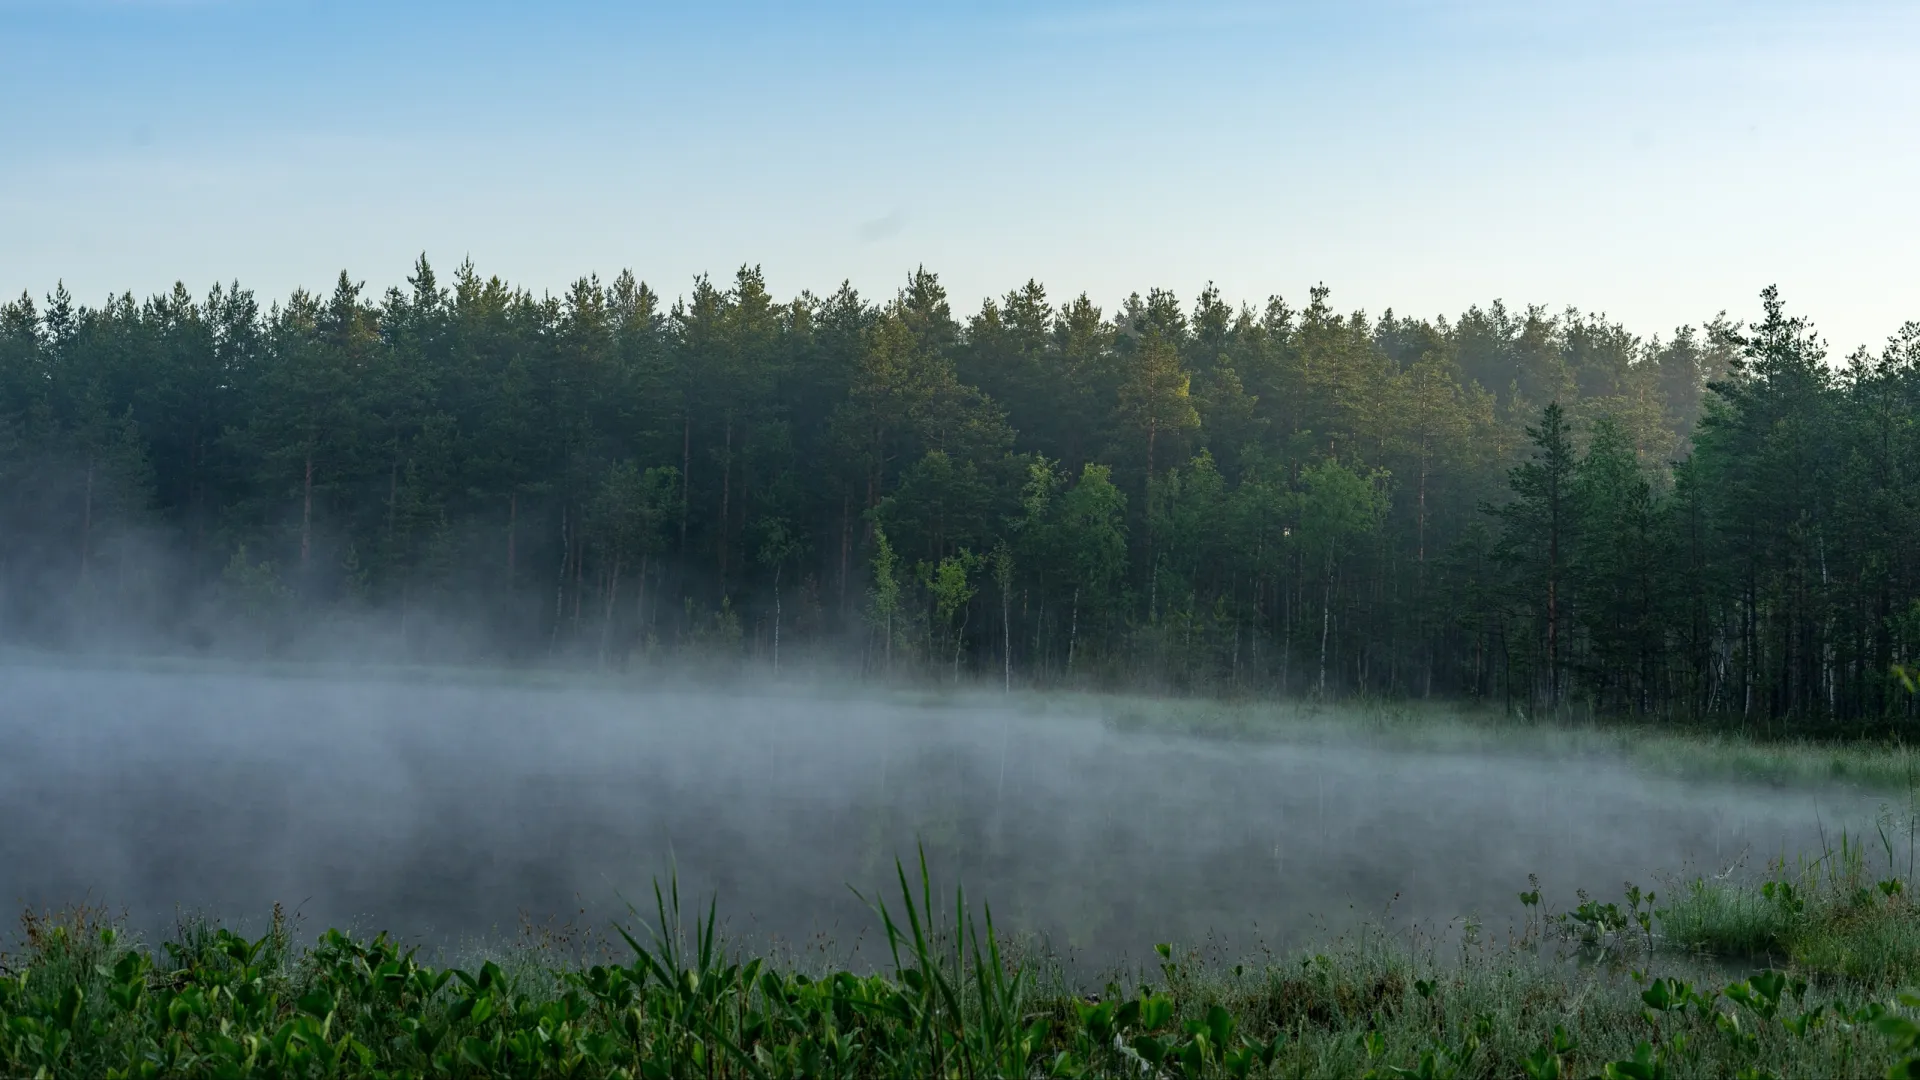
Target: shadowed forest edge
1539,511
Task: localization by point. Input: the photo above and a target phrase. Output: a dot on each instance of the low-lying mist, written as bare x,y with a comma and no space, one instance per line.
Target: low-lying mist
446,810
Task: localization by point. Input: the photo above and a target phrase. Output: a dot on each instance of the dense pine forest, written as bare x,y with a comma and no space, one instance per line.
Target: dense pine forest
1539,509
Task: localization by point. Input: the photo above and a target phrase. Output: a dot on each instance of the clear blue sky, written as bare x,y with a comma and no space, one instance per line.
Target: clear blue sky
1657,161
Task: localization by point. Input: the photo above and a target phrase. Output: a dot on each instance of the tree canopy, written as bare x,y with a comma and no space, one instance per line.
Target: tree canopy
1541,509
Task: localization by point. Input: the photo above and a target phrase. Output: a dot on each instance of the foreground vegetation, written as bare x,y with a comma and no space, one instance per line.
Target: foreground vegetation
1799,975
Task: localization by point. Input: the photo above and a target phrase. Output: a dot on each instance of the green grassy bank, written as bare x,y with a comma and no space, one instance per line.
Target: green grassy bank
1886,765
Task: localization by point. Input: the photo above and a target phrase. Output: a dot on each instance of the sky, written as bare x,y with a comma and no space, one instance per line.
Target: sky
1658,162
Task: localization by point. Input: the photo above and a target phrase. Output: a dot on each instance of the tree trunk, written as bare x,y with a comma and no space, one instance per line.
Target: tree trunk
1750,630
560,586
1073,631
686,477
846,542
579,575
1421,578
1553,601
1146,502
513,522
1233,667
1423,511
959,642
876,468
776,618
606,619
1286,618
306,516
1326,619
640,596
1039,643
1006,639
726,495
393,496
1553,637
1479,663
86,527
199,500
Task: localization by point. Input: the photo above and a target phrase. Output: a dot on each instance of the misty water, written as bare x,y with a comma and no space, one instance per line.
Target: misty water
448,811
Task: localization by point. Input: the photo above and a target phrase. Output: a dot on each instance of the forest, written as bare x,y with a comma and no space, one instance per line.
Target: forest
1539,509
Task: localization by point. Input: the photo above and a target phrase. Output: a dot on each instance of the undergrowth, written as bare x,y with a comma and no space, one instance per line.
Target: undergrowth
1845,914
83,999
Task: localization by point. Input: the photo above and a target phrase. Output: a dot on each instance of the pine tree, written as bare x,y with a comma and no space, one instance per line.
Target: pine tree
1616,571
1538,529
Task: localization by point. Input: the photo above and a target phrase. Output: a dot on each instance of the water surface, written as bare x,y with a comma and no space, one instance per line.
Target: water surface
448,811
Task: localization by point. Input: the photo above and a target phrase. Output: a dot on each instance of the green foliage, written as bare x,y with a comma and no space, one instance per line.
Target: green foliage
1720,525
950,583
886,589
254,588
83,1000
1338,505
1091,527
1536,542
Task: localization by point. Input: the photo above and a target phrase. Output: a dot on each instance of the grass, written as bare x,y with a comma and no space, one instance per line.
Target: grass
1596,991
1836,915
1886,765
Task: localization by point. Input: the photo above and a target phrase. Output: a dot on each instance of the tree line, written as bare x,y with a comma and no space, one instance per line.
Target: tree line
1539,508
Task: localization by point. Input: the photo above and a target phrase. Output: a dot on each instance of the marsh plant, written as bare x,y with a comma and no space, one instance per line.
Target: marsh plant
83,998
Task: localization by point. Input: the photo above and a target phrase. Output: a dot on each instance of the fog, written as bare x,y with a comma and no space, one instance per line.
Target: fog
446,809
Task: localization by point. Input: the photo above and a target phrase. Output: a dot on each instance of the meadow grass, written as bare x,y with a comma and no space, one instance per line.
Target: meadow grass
1880,765
1848,913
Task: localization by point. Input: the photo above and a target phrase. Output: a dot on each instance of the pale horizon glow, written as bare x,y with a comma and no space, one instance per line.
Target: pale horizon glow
1659,163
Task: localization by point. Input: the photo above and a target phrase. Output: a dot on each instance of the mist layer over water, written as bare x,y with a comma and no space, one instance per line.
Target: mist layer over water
448,811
